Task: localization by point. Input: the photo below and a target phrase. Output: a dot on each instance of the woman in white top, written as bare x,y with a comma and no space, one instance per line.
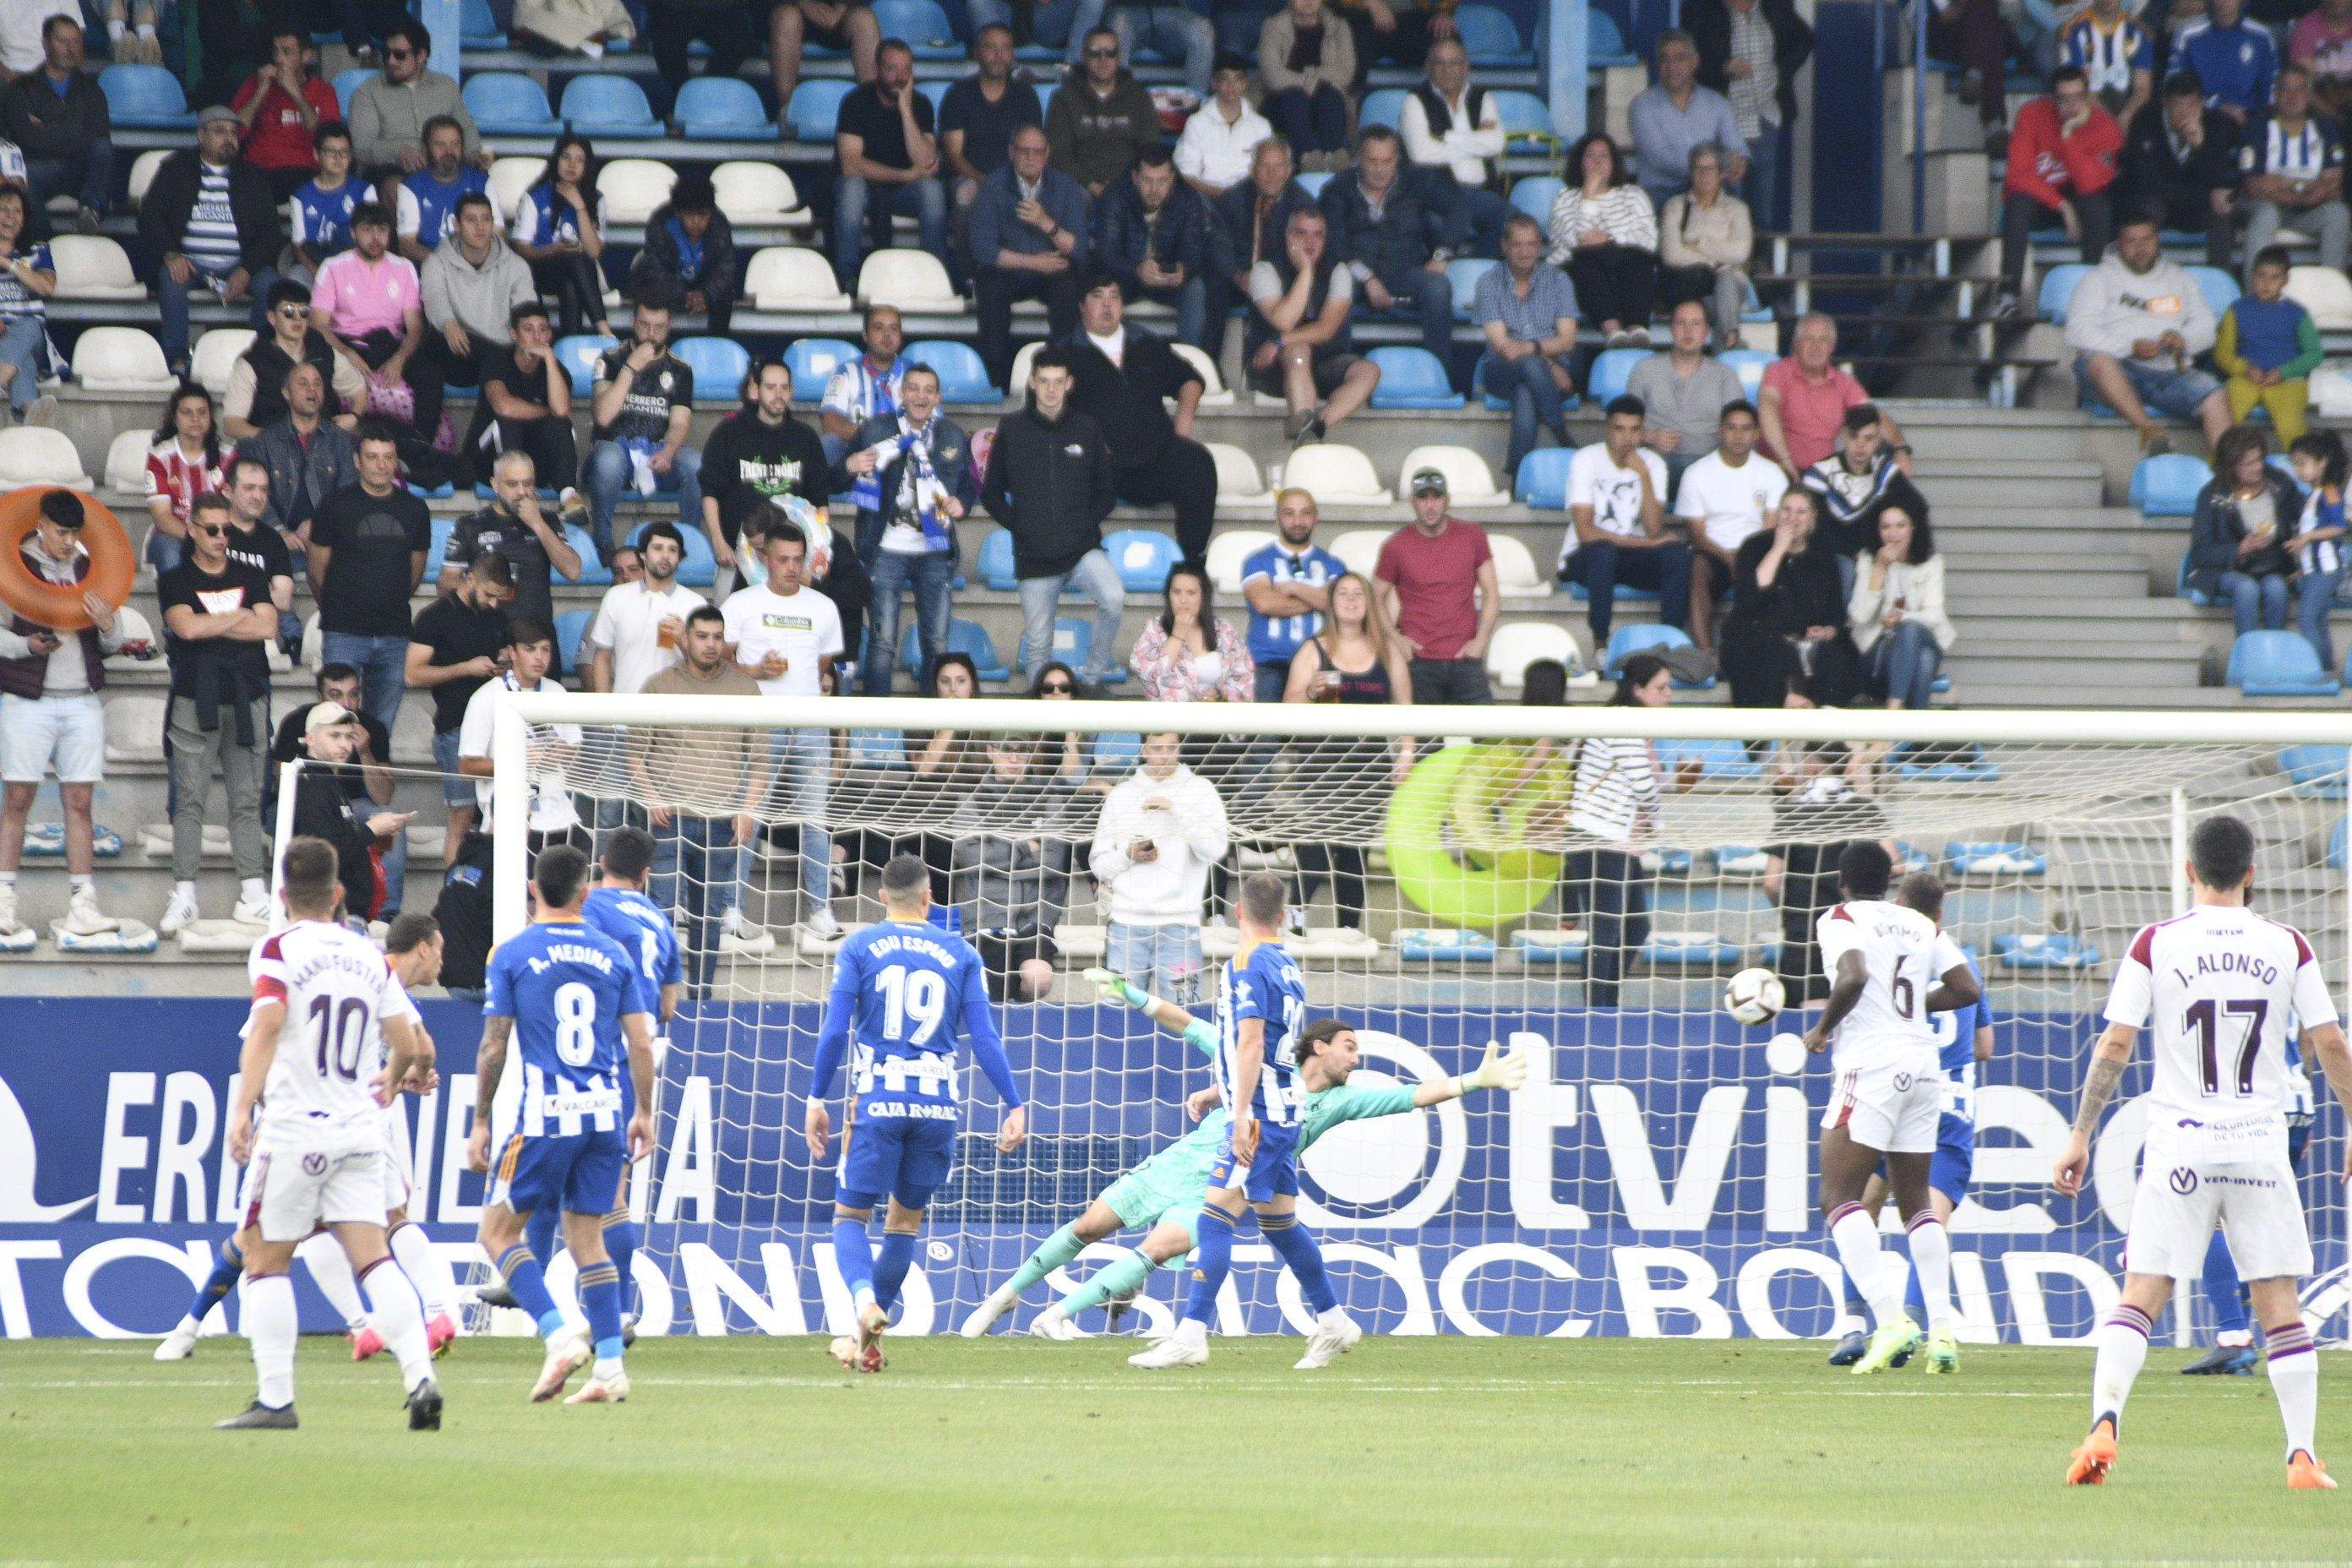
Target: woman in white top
1704,239
1605,233
1897,614
559,229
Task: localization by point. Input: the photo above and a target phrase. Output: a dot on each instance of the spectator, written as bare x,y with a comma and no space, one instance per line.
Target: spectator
24,31
642,409
2062,163
1161,830
1352,657
1750,51
1028,241
1617,523
1214,152
1604,234
28,278
1009,866
559,229
52,717
628,567
1897,614
58,117
867,387
335,800
1176,31
1187,653
889,162
786,638
674,26
1288,585
1151,233
217,619
635,634
2234,60
280,107
1057,682
459,642
1404,32
582,27
366,556
425,203
912,475
976,119
253,543
1527,308
184,462
2318,541
2321,42
1975,36
391,110
1306,60
255,398
1704,238
2114,53
2267,345
689,253
758,460
1102,119
843,25
130,32
2136,322
2238,551
526,406
1297,343
368,305
2293,160
1816,815
322,207
1673,116
336,685
1453,136
309,455
1252,219
1048,480
463,913
1684,393
947,756
1391,243
1065,24
702,791
1726,496
1125,377
1855,483
2179,160
1806,396
553,818
515,526
1785,643
1437,588
212,223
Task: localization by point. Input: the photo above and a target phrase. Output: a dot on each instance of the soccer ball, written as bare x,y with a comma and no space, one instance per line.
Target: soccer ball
1754,996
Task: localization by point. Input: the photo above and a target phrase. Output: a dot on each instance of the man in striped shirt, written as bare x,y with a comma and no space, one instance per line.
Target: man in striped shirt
212,220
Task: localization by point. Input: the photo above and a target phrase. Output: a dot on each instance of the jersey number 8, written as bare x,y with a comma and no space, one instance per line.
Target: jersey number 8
575,1024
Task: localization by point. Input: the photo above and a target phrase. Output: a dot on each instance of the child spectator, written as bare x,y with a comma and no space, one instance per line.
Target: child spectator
2268,346
2318,542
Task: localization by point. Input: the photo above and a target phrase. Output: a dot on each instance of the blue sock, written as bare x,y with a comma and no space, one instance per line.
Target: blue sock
890,1265
524,1277
219,1282
1294,1244
623,1237
538,1233
1213,1260
600,1298
853,1252
2222,1291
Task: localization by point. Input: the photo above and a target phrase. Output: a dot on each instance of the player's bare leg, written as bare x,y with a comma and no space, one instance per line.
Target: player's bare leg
2122,1340
2294,1377
600,1298
1846,1168
1094,1224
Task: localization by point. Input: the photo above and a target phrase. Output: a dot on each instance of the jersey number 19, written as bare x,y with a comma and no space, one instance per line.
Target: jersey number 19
918,994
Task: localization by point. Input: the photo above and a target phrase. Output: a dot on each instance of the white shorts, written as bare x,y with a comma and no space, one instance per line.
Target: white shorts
60,735
1894,1107
2257,1202
395,1165
292,1191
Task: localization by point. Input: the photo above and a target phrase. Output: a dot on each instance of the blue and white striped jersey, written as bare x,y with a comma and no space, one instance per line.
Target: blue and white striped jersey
567,988
1956,1046
903,997
1263,982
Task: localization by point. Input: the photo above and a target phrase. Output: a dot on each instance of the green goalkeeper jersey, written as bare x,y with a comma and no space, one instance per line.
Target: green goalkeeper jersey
1175,1181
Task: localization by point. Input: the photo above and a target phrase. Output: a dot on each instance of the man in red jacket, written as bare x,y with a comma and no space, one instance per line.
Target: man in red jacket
2063,156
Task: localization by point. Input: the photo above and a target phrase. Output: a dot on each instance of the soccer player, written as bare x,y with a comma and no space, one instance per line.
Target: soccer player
1964,1042
2217,983
903,993
1889,968
2232,1354
579,1004
1261,1013
318,1148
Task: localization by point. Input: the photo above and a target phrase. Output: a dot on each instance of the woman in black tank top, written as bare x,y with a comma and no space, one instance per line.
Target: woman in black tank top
1353,660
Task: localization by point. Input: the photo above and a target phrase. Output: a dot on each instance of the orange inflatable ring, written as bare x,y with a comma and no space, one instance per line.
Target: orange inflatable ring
113,566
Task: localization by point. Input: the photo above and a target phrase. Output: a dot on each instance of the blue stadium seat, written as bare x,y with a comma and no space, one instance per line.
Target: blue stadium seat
700,567
1534,195
924,26
1313,181
2058,287
508,103
2166,484
1542,479
1445,945
594,572
2318,771
815,108
2278,664
1411,377
1689,950
442,528
1143,557
813,361
477,27
1527,120
1603,44
968,637
1463,273
2195,595
1947,763
936,91
1074,639
2054,950
1381,107
1116,752
1628,640
1748,365
962,377
722,109
1489,36
1612,369
1720,759
1046,91
1739,859
571,626
2220,289
715,361
878,748
347,83
1994,858
1554,947
996,562
614,107
578,354
145,98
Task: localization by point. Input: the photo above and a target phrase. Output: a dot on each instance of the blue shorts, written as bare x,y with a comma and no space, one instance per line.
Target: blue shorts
1273,1171
904,1157
2179,392
1955,1161
578,1174
455,790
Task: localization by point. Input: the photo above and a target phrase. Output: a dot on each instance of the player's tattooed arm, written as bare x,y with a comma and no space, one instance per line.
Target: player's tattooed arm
2107,1061
489,1065
2098,1088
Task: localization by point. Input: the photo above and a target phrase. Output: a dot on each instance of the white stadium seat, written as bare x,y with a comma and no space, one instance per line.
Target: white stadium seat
92,267
1023,358
910,279
143,172
634,187
2324,292
121,359
510,177
791,278
1518,644
37,455
1469,480
758,195
1238,482
216,356
1213,390
2331,391
1515,569
126,461
1335,474
1228,551
1358,549
134,728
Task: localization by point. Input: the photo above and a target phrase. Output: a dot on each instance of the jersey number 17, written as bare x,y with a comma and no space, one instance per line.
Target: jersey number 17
2203,1020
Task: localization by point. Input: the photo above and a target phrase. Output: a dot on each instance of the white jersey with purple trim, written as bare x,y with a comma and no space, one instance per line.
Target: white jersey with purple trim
335,986
2217,985
1905,955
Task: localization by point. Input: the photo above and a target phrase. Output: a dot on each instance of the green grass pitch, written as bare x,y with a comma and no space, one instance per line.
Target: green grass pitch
1447,1453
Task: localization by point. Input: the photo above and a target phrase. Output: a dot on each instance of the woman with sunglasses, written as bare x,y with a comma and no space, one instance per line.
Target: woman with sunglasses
559,229
185,462
1057,682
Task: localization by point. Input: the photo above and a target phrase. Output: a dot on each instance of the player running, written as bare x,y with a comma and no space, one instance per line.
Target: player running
1889,968
1261,1013
574,997
1164,1193
317,1153
2217,983
904,993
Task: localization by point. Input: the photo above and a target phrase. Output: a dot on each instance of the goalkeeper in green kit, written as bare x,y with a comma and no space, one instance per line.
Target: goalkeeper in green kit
1164,1193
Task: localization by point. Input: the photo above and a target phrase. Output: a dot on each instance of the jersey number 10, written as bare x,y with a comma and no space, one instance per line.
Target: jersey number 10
2202,1019
341,1034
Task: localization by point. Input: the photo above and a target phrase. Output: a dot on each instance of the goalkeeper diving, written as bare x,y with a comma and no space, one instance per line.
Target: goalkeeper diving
1164,1195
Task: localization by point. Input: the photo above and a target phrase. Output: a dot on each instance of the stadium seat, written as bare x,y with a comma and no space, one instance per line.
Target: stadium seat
1411,377
1073,640
594,572
1549,947
121,359
511,178
436,551
1740,860
2055,950
1215,392
134,726
144,98
910,279
40,454
1381,107
1628,640
1238,481
996,564
698,568
2220,289
92,267
967,638
717,362
1534,195
1994,858
1358,549
1116,751
2318,771
2322,291
1463,273
346,84
1468,481
1336,475
2166,484
1229,550
1438,945
126,461
508,103
878,748
1312,182
1515,572
756,195
1689,950
1949,762
815,108
2276,664
1612,369
1748,365
579,354
1542,479
1603,44
613,107
2058,286
477,27
143,167
1518,644
923,25
813,361
634,187
215,355
791,278
571,626
721,109
1489,36
1527,120
963,380
1144,558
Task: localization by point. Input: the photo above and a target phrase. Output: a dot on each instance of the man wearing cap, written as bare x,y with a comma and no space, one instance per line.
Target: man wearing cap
212,222
342,801
1436,583
51,716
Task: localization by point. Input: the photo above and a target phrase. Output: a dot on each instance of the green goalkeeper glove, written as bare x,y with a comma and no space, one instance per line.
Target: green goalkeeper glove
1115,989
1497,1071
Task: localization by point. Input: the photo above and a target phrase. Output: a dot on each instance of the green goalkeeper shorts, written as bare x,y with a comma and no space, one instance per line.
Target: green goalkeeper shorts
1172,1182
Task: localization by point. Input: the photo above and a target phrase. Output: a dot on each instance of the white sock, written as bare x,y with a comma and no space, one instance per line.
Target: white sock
1931,1259
1332,1319
424,1267
76,884
2122,1339
114,30
146,29
1855,1235
607,1368
399,1319
331,1270
1193,1332
187,888
7,879
2294,1378
252,889
271,1323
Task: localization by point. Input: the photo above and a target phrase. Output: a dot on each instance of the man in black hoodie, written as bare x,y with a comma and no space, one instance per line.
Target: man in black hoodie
1121,373
1049,482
